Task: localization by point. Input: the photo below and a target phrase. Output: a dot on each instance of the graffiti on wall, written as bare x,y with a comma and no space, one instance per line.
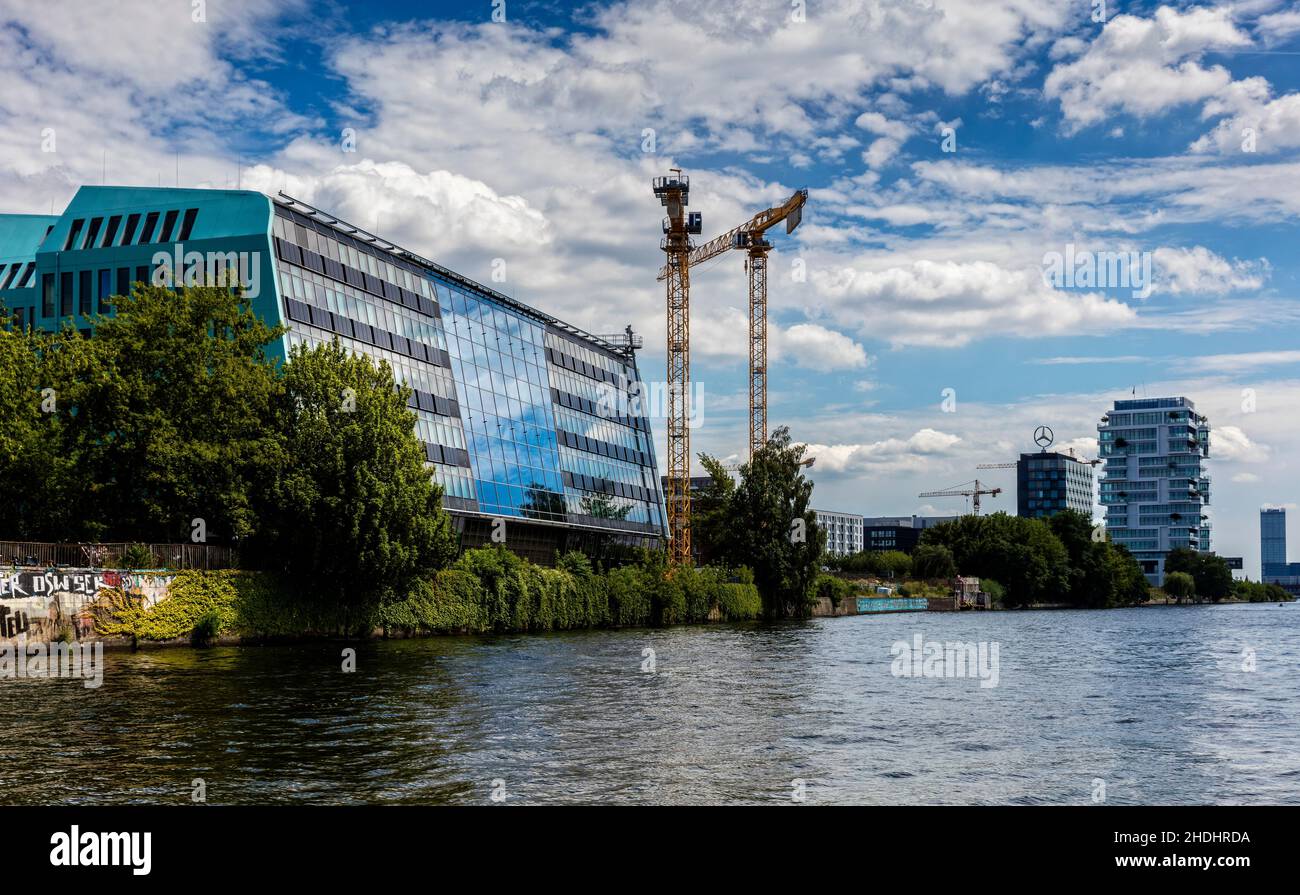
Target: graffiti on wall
39,603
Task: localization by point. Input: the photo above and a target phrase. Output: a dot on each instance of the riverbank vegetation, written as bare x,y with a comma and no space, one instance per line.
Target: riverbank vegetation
488,590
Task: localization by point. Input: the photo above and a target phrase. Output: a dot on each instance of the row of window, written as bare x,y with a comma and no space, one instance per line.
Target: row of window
92,239
326,242
87,292
11,278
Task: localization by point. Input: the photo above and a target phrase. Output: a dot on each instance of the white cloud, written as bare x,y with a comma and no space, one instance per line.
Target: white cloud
1141,66
950,303
1199,271
817,348
880,456
1233,444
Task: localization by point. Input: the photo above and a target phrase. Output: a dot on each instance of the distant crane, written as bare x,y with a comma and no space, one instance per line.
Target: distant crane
750,236
973,493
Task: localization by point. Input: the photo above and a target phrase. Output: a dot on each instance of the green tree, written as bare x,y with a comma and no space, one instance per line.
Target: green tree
43,487
1211,573
1023,554
355,518
711,520
1180,585
931,561
169,418
769,527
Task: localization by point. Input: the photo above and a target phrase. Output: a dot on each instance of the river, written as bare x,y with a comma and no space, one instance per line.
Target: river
1128,706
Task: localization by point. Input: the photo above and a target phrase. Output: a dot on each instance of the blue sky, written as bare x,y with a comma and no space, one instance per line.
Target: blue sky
1169,130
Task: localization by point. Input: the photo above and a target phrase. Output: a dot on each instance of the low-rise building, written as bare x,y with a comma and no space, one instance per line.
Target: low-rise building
843,532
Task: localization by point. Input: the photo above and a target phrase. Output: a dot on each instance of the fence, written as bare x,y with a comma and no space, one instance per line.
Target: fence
169,556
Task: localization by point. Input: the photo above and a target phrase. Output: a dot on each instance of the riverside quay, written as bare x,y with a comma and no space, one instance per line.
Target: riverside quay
513,406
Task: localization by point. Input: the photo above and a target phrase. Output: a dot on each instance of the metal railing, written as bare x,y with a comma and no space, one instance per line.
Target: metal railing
168,556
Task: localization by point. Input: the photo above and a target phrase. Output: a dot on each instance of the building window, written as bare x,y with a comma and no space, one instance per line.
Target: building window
105,289
87,283
26,278
92,232
169,224
142,275
47,294
65,294
146,233
187,225
132,221
73,232
111,230
124,281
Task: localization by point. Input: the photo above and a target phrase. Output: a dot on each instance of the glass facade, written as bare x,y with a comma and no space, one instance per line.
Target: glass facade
1155,490
1272,540
519,413
1047,483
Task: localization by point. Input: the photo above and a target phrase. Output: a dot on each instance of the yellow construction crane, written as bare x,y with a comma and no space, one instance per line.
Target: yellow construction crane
674,193
973,493
750,236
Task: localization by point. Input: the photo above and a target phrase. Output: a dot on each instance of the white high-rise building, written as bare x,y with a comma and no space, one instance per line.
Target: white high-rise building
843,532
1155,489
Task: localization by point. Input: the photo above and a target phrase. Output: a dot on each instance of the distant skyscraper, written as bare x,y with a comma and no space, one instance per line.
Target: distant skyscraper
1272,539
1155,489
1047,483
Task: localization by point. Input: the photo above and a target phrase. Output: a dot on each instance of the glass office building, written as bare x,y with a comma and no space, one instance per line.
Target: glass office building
1272,539
1048,482
523,417
1155,489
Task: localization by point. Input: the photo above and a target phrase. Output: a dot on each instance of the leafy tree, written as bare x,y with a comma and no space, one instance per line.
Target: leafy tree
768,526
43,488
1180,585
711,521
355,518
169,417
930,561
1211,573
1023,554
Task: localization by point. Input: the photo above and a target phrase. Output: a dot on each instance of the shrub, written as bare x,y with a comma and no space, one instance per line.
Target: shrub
206,628
137,556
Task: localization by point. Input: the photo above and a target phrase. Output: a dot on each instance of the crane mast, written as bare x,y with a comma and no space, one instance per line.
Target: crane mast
673,192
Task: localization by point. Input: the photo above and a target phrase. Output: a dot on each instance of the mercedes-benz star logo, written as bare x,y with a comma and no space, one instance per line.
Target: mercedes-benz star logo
1043,436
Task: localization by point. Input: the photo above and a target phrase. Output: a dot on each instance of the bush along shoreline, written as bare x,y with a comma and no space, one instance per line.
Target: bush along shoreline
488,590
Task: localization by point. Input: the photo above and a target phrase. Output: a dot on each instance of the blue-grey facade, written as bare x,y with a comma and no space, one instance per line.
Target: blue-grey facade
1155,488
1048,482
523,417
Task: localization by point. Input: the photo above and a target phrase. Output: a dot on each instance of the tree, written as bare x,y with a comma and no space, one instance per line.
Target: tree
42,485
1211,573
1180,585
1022,553
765,523
931,561
711,522
169,421
355,518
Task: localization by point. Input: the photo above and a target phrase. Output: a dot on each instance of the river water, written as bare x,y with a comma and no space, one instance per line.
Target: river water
1147,705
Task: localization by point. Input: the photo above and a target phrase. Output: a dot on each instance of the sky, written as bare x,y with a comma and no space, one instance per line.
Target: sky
949,147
